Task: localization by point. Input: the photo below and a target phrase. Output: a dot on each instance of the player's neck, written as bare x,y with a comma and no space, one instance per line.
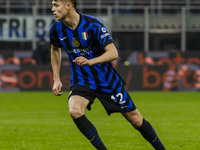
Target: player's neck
72,20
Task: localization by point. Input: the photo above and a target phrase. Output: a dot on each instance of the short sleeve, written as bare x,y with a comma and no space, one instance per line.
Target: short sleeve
103,36
54,40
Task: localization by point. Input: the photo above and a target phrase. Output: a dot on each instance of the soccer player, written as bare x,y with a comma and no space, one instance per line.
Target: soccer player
91,49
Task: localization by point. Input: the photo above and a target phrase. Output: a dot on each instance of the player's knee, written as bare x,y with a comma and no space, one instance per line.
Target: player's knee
136,123
136,120
75,113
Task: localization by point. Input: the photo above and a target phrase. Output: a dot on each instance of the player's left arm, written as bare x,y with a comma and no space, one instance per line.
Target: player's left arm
110,54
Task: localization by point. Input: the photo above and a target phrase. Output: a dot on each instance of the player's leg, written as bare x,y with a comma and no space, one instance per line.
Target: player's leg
144,127
77,106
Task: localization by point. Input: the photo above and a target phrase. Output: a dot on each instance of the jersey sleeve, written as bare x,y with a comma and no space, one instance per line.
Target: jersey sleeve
102,34
54,40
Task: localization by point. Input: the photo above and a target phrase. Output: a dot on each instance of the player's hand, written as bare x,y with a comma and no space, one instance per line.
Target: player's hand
57,86
82,61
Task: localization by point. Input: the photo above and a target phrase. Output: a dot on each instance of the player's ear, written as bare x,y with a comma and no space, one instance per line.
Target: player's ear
68,5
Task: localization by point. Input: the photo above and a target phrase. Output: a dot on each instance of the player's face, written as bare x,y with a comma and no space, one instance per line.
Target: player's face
59,9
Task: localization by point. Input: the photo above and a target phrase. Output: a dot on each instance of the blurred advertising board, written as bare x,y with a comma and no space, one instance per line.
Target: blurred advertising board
133,58
171,72
185,77
28,27
21,27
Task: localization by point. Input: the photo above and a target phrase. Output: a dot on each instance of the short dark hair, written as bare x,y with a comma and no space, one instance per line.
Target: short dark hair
74,2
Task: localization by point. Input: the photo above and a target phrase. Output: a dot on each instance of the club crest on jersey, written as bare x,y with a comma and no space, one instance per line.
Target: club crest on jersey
85,35
75,43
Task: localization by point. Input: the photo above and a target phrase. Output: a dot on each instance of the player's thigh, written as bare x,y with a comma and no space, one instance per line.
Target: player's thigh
77,101
77,105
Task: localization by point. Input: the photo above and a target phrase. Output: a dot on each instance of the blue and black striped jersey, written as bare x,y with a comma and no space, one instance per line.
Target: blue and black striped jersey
88,40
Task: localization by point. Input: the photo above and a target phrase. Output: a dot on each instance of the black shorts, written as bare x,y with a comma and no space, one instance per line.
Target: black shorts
112,102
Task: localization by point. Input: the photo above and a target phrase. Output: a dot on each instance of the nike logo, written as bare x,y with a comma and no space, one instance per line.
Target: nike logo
155,139
122,107
92,139
63,38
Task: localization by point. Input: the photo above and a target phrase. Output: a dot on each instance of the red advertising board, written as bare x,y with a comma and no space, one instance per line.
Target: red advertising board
185,77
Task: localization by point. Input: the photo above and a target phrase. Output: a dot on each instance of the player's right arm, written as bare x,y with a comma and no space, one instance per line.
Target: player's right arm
56,62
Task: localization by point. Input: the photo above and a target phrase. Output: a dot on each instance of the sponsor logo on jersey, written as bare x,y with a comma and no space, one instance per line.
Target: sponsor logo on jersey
78,50
85,35
106,34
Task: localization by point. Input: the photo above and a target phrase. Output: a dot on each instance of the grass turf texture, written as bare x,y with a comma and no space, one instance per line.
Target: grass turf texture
40,121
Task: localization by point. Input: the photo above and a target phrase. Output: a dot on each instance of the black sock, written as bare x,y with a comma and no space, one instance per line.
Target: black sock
89,130
150,135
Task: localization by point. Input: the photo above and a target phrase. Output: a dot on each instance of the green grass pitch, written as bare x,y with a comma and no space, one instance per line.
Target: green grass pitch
41,121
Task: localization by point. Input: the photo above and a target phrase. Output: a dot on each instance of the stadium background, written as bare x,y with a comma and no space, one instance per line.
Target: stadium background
158,43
